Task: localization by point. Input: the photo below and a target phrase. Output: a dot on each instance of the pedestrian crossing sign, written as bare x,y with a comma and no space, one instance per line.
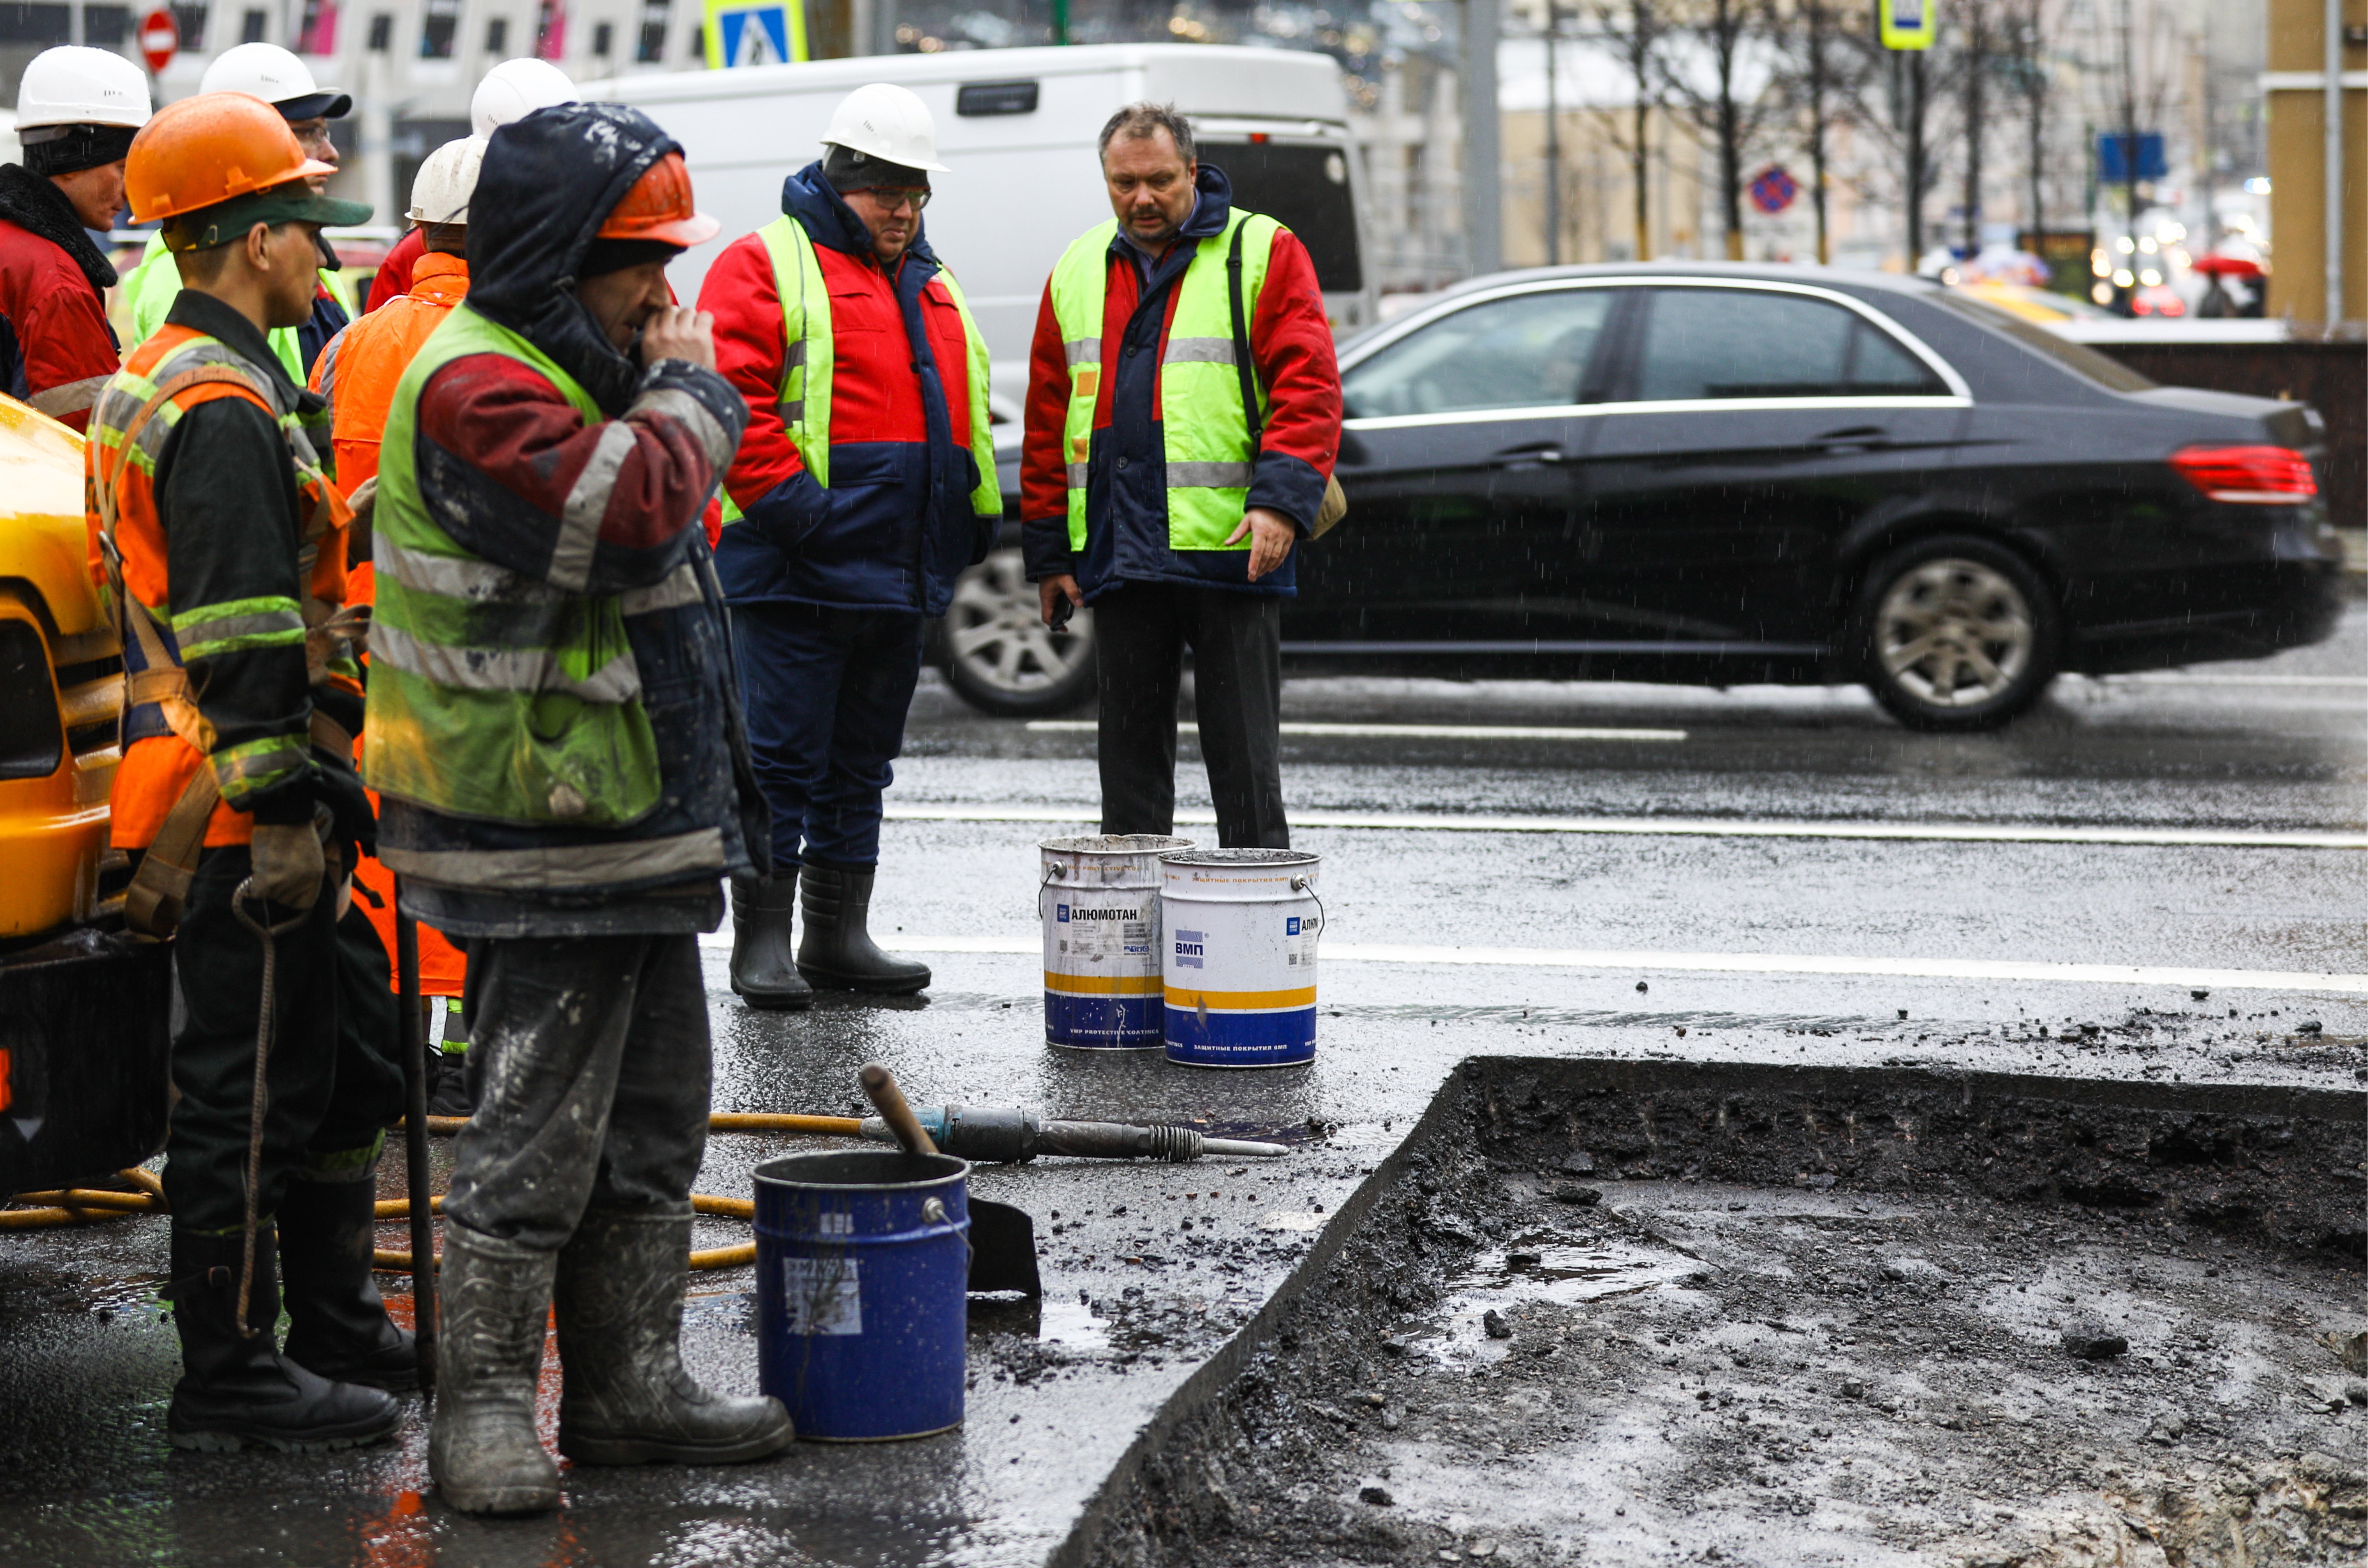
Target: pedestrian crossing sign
767,32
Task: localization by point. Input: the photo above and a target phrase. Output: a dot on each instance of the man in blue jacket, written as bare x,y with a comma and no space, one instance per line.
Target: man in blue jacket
864,488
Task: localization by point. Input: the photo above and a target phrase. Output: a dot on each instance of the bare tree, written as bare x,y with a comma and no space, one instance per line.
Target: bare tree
1822,80
1633,32
1710,80
2027,47
1975,41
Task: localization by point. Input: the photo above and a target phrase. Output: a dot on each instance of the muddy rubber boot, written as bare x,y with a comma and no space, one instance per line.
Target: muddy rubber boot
483,1451
238,1391
448,1092
763,966
626,1398
838,952
337,1323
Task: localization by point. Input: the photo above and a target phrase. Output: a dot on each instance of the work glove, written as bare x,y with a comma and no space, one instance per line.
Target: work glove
289,866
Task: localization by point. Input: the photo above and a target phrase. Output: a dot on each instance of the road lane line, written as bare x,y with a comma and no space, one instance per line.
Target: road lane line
1646,961
1702,827
1404,732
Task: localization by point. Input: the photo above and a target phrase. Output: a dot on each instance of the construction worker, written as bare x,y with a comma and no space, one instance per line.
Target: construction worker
853,506
563,781
283,81
512,89
1151,488
221,543
76,111
357,372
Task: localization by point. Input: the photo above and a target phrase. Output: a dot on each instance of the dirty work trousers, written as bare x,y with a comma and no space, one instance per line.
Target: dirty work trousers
334,1084
589,1068
1141,630
826,691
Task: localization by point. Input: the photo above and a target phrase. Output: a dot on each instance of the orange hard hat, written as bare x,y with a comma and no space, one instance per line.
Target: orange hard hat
204,151
658,208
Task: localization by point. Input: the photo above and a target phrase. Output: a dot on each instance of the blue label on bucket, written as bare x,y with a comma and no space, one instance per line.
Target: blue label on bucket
1061,912
1291,926
1190,949
1284,1038
1122,1023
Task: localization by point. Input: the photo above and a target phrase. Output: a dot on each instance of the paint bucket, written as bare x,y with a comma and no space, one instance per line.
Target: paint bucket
1100,900
1238,956
862,1291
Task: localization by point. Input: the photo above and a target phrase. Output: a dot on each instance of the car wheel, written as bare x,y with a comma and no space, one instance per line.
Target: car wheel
1001,657
1956,633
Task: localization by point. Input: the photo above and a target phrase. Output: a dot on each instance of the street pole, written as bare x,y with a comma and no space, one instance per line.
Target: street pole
2332,65
1061,21
1914,158
1554,145
1484,239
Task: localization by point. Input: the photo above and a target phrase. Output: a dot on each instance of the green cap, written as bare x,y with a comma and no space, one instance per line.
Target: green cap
292,202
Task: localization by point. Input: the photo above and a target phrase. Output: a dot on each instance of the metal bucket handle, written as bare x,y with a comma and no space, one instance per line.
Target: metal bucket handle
1307,885
933,1212
1053,873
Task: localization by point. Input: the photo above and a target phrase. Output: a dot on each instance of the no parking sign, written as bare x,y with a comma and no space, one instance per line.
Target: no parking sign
1773,189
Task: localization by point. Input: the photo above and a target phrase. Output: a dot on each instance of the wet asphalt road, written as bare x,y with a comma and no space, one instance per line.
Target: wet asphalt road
1812,884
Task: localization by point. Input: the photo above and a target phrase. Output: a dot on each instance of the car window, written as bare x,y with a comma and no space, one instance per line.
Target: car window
1739,343
2077,358
1528,351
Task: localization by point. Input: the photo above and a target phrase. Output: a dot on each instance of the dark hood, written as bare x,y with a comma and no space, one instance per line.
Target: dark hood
548,182
829,220
34,203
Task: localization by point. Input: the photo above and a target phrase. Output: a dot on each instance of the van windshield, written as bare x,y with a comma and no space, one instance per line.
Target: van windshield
1306,189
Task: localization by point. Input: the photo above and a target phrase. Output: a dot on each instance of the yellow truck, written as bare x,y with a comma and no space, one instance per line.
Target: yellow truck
85,1007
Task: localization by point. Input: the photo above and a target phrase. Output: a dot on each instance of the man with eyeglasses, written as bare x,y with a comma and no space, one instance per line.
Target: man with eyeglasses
864,486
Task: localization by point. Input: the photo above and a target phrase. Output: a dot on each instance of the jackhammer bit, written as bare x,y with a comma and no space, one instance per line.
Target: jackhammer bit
1006,1135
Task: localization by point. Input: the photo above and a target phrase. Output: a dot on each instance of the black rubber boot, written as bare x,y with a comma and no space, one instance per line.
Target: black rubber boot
337,1325
448,1088
764,970
483,1451
238,1391
626,1398
838,952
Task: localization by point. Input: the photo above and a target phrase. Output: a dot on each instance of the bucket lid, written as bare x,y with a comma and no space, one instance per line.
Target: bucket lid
1115,844
1241,857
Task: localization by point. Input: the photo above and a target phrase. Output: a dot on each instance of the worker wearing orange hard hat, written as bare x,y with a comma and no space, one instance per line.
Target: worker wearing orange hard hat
564,783
222,549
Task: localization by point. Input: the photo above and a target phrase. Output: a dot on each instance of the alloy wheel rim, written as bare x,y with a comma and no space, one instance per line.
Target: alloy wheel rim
1954,634
996,628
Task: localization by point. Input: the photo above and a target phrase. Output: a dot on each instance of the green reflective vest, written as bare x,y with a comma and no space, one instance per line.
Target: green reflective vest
1205,433
494,695
803,401
150,288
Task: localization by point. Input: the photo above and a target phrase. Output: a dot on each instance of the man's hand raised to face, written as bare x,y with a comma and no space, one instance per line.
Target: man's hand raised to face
677,332
1271,537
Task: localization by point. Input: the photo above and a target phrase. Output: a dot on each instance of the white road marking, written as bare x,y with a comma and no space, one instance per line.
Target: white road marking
1701,827
1405,731
2169,678
1644,961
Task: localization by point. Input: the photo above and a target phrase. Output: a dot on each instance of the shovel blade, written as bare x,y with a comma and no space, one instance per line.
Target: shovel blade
1003,1249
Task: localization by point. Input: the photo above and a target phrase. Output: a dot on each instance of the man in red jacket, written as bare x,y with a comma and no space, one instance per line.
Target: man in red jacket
1150,491
76,112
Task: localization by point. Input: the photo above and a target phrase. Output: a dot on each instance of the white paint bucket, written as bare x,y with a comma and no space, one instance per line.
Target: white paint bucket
1238,959
1099,903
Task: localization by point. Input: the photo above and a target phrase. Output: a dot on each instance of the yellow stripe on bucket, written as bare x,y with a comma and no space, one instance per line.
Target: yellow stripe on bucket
1241,1001
1102,984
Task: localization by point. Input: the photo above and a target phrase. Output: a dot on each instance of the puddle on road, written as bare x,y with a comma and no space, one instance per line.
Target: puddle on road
1072,1324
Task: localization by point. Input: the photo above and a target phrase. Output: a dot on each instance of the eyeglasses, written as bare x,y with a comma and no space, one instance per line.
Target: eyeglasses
891,199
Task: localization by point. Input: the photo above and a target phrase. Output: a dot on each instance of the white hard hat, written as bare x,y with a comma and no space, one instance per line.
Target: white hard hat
73,85
278,78
515,89
885,121
440,192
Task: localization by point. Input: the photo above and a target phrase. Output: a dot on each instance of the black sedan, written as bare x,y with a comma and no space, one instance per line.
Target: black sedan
1730,473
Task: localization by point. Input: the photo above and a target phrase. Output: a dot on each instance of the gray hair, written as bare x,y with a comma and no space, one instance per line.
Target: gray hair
1140,121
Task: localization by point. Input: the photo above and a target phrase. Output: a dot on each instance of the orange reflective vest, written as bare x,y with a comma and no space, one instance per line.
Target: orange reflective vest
177,789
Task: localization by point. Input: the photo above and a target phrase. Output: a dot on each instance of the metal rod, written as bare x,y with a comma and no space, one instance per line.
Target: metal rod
2333,131
1484,215
415,1143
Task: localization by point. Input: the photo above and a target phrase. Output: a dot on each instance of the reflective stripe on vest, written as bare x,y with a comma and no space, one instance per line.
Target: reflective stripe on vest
1204,432
493,695
809,363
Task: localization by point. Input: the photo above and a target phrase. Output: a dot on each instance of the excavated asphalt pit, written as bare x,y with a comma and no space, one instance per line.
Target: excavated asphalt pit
1829,1316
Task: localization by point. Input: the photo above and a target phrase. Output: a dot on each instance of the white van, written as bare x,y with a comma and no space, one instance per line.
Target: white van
1017,128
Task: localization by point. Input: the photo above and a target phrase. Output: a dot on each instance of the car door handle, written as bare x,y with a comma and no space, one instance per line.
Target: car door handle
1529,456
1859,437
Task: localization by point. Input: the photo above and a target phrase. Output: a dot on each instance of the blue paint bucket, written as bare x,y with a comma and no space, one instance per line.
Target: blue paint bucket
862,1291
